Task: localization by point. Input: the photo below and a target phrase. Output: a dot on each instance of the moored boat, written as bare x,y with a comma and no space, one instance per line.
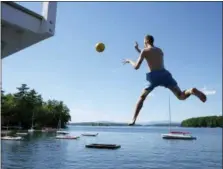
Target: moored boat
103,146
179,135
66,137
90,134
11,138
21,134
176,134
62,132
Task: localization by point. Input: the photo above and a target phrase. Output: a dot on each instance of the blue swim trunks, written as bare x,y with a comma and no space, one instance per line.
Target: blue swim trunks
160,78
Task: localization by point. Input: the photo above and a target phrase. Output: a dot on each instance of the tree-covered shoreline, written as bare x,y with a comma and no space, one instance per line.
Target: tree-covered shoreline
207,121
18,109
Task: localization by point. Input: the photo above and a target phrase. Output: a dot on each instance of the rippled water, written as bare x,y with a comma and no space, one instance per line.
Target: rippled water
141,148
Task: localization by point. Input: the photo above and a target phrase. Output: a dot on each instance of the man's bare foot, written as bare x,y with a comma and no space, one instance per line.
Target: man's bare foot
199,94
132,123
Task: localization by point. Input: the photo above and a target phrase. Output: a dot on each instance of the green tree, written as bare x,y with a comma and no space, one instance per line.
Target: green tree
20,107
207,121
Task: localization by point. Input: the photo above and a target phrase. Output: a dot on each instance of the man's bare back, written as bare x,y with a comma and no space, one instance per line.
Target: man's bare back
154,58
158,75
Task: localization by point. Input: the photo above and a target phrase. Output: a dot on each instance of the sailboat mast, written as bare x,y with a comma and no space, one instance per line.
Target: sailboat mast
169,116
32,119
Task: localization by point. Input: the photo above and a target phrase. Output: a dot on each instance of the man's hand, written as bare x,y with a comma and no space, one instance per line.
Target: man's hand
137,47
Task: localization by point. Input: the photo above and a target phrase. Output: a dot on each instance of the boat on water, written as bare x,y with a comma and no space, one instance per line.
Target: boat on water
16,138
21,134
31,130
176,134
66,137
60,131
46,129
103,146
90,134
7,137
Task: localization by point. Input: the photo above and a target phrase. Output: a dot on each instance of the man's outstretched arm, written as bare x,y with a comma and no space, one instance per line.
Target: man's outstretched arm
137,47
137,64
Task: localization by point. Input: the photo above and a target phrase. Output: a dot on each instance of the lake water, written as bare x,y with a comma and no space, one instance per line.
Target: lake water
141,148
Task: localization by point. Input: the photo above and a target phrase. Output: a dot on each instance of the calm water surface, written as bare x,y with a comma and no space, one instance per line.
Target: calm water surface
142,148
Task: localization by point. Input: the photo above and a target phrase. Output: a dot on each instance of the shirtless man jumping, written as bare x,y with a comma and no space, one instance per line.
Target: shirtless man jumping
158,75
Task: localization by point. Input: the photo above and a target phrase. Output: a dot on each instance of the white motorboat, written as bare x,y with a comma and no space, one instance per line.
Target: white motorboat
66,137
12,138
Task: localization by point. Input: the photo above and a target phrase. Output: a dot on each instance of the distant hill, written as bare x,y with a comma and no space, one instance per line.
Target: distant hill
100,123
107,123
174,124
161,123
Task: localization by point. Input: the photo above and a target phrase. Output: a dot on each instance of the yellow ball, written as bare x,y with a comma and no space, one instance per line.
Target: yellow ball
100,47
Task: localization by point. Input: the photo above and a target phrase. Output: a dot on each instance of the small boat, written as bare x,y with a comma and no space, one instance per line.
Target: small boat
21,134
90,134
6,137
44,130
48,129
103,146
31,130
5,133
66,137
12,138
178,135
59,131
62,132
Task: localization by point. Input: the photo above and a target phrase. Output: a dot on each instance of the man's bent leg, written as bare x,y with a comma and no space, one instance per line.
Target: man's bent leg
197,93
171,83
185,94
139,104
178,93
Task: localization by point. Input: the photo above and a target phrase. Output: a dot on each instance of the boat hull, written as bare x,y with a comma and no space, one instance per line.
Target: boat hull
31,130
67,137
21,134
62,132
11,138
103,146
90,135
178,136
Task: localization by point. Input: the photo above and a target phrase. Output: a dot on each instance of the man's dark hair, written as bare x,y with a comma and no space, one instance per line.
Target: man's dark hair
150,39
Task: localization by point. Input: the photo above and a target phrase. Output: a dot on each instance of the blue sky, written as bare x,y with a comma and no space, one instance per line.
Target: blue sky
96,86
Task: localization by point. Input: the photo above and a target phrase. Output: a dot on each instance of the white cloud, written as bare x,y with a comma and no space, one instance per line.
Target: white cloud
116,70
208,91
